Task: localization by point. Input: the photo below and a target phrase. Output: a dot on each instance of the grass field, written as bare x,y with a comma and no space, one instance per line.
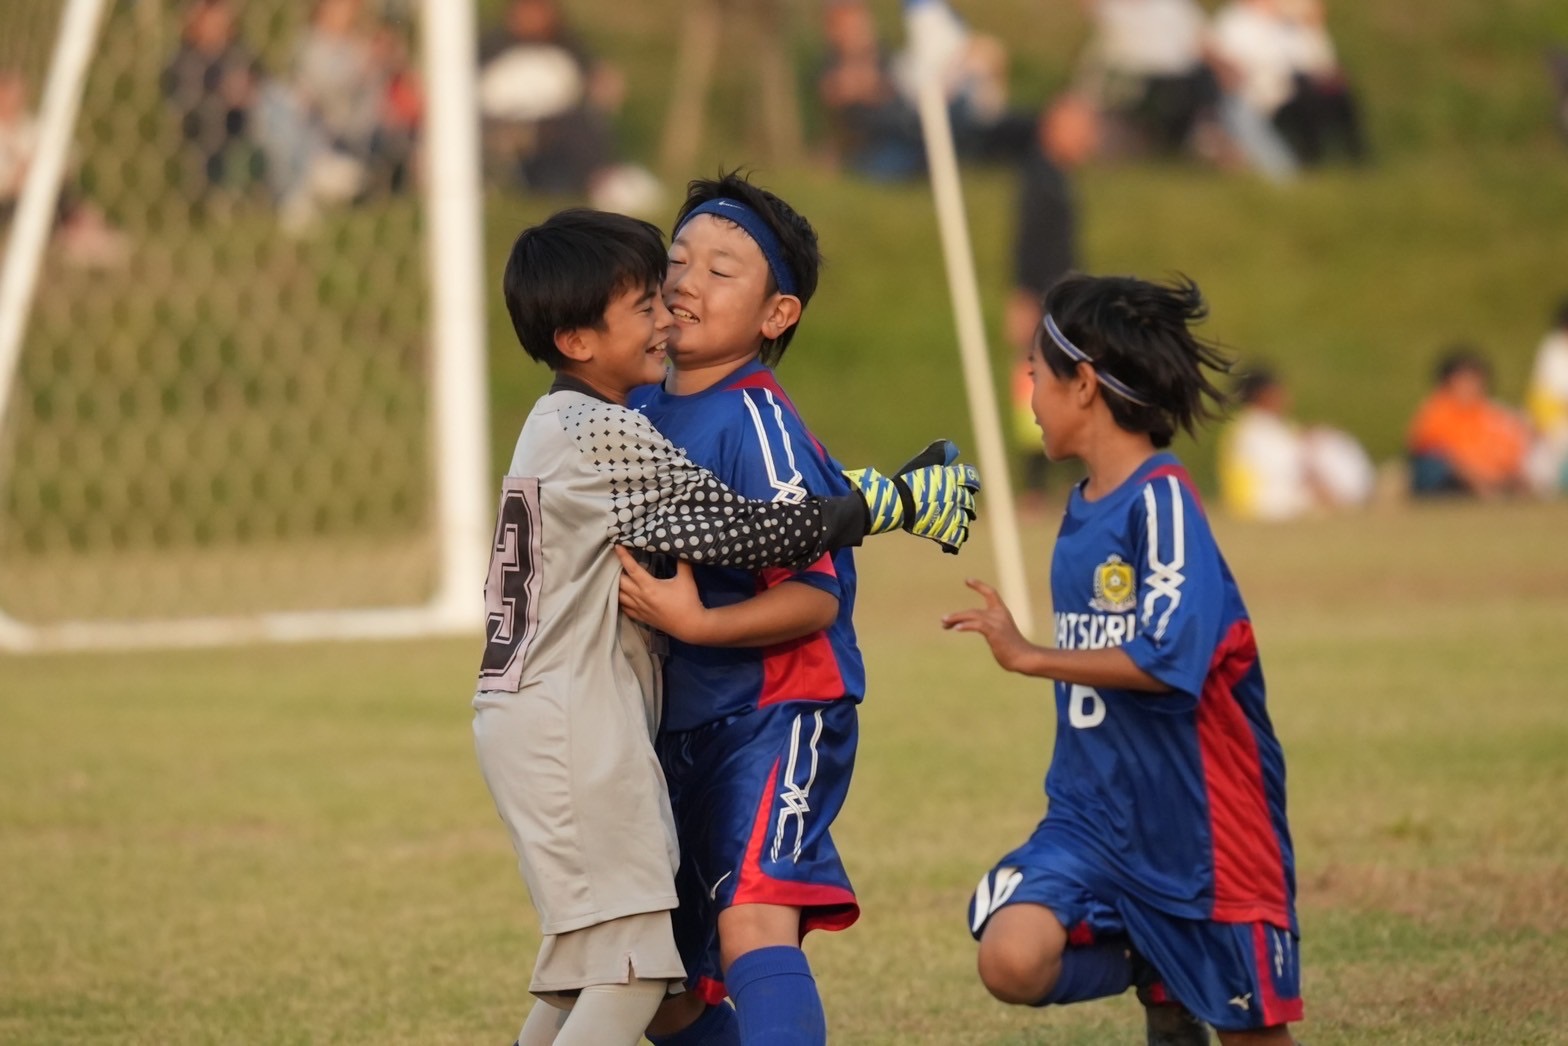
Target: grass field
294,846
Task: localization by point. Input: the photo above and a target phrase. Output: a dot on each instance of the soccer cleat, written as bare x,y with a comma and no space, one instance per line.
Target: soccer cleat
1172,1024
1166,1022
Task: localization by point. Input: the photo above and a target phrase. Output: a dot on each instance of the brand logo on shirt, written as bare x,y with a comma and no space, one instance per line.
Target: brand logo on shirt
1114,592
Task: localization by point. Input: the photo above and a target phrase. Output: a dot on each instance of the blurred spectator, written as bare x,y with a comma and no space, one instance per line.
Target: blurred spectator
1045,248
344,121
396,151
974,71
1461,441
213,83
81,232
875,131
548,104
1255,52
1322,117
872,98
1287,101
1271,468
338,79
1547,401
1146,69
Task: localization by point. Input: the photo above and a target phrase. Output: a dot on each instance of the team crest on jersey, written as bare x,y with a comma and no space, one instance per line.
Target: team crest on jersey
1113,587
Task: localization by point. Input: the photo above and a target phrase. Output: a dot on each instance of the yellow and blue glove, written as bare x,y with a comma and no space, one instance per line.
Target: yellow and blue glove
930,496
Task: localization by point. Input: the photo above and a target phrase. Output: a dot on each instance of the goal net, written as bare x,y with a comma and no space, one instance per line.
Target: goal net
241,335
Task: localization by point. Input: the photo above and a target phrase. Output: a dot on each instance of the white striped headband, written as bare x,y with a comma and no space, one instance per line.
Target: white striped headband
1074,352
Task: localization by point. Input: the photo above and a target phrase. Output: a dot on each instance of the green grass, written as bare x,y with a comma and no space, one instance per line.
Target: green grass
269,846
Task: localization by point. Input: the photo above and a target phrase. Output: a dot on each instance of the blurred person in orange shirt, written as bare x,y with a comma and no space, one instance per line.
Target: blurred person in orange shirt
1461,440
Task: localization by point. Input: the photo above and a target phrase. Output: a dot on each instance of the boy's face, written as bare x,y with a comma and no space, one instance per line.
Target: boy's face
717,287
628,349
1468,385
1057,408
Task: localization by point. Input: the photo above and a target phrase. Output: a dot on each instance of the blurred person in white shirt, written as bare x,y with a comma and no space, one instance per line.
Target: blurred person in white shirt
1547,402
1271,468
1147,68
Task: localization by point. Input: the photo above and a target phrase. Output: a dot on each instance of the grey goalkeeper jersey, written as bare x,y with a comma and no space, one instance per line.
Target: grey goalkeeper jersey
569,690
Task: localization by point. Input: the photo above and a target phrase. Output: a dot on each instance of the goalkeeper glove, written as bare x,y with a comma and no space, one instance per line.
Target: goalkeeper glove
930,496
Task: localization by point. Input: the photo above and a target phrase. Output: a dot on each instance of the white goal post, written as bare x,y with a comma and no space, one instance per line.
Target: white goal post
926,24
113,518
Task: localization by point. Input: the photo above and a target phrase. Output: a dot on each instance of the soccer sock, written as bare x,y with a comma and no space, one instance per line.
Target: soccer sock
1091,972
612,1014
718,1026
542,1026
776,998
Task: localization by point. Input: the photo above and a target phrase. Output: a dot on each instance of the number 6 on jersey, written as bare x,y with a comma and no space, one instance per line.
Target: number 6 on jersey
1085,707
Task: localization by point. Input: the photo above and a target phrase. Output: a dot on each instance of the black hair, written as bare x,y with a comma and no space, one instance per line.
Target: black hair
1461,357
1137,332
796,236
563,273
1252,382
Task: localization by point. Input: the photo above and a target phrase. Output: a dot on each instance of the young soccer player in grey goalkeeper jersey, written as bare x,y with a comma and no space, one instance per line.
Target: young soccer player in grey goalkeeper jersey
569,690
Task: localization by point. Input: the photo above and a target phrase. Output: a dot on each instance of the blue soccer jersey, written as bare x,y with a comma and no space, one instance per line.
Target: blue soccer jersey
1177,798
746,431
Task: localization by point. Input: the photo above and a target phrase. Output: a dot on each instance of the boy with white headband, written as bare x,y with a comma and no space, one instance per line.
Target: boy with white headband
764,674
1164,861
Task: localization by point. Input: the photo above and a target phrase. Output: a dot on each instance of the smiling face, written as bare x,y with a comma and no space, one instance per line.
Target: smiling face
1060,407
626,350
720,291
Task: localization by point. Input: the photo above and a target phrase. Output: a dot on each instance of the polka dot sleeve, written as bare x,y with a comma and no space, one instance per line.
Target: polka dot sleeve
661,501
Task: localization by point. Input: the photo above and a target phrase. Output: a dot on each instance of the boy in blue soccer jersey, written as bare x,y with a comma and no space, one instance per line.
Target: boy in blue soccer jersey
764,674
1164,861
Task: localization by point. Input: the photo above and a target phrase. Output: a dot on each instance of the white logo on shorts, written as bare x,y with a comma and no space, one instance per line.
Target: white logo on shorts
988,901
1242,1002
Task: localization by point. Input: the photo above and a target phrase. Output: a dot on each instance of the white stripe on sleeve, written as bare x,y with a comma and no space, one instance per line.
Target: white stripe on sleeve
788,488
1164,580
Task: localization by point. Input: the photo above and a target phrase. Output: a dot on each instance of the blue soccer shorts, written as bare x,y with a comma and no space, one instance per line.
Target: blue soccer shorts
754,797
1235,976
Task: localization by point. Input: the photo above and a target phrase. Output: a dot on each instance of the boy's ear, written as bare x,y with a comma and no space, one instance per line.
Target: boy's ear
782,315
1085,384
569,341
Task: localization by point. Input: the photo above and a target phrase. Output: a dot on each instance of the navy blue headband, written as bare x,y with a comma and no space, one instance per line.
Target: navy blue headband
754,226
1075,353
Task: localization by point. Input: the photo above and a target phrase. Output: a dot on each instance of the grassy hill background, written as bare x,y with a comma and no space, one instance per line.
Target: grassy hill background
1350,281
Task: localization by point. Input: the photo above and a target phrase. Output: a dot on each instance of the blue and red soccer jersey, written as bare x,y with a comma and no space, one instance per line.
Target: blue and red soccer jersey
746,431
1179,797
758,744
1166,822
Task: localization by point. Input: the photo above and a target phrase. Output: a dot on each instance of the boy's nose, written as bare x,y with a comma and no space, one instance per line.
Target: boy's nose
675,281
662,318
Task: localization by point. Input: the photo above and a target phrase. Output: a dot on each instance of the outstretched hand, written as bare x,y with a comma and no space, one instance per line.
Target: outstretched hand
995,622
670,605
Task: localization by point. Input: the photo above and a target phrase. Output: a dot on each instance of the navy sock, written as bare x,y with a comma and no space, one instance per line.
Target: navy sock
716,1027
1091,972
776,998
